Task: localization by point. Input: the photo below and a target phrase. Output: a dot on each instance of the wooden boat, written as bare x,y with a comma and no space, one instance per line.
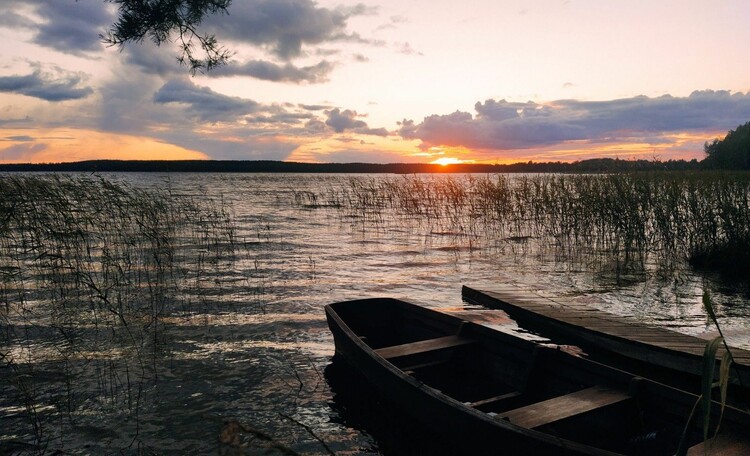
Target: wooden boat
670,357
499,394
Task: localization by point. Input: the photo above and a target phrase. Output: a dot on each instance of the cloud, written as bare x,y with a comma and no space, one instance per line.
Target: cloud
60,86
68,26
13,20
203,102
284,26
288,118
316,126
159,61
406,49
21,151
16,121
392,23
249,148
72,27
269,71
503,125
308,107
19,138
346,120
151,59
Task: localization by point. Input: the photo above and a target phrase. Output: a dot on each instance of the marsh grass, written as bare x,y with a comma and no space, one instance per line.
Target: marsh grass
621,221
89,272
704,403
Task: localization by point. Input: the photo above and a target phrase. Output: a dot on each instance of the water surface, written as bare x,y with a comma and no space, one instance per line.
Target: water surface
257,350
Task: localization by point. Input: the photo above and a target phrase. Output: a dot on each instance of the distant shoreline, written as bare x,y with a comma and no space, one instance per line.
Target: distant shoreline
268,166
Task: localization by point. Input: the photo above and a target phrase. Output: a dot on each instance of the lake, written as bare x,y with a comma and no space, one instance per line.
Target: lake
250,344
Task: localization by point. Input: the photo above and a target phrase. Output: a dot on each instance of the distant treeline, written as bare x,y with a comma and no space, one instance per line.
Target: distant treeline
597,165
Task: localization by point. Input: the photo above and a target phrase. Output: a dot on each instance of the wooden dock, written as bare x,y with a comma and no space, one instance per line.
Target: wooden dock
598,331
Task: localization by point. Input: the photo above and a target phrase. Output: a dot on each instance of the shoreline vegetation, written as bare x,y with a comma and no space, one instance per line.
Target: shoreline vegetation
596,165
629,219
91,274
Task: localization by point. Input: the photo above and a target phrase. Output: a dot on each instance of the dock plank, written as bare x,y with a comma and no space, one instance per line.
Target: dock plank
605,330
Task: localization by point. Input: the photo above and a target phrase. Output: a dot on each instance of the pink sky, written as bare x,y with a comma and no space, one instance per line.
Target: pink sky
381,81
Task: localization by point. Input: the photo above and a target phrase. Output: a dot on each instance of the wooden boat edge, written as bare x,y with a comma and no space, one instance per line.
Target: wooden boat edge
635,349
394,371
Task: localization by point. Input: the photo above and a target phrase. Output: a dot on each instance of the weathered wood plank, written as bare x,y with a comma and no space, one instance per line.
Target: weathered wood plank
561,407
595,321
499,398
724,445
422,346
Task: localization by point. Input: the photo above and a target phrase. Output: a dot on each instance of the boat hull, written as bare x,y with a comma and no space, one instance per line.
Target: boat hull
477,432
493,393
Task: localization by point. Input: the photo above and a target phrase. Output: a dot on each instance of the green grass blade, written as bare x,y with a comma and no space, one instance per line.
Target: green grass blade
707,380
726,363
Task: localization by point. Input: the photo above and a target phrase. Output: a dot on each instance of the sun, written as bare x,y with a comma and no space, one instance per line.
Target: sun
446,161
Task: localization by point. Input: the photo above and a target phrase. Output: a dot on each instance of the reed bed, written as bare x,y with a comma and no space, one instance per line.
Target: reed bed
625,220
90,272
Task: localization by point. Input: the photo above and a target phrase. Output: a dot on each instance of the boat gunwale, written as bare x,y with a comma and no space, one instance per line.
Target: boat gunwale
561,443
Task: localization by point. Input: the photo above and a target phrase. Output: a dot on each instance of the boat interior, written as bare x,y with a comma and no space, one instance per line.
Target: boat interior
531,385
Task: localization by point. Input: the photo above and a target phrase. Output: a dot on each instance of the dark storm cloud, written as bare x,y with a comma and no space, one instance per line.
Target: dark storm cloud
284,26
269,71
59,87
504,125
346,120
204,102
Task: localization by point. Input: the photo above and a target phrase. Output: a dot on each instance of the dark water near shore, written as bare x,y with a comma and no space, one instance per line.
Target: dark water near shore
259,351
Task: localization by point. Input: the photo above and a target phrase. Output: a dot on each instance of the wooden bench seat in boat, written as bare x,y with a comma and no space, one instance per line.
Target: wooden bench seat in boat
562,407
495,399
723,444
422,346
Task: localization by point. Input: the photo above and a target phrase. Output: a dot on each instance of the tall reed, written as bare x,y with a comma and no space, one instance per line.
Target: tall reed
89,269
669,218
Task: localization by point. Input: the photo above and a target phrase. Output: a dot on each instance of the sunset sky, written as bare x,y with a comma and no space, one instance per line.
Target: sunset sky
381,81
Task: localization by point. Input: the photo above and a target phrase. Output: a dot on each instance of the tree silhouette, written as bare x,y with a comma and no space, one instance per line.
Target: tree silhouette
167,21
732,152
